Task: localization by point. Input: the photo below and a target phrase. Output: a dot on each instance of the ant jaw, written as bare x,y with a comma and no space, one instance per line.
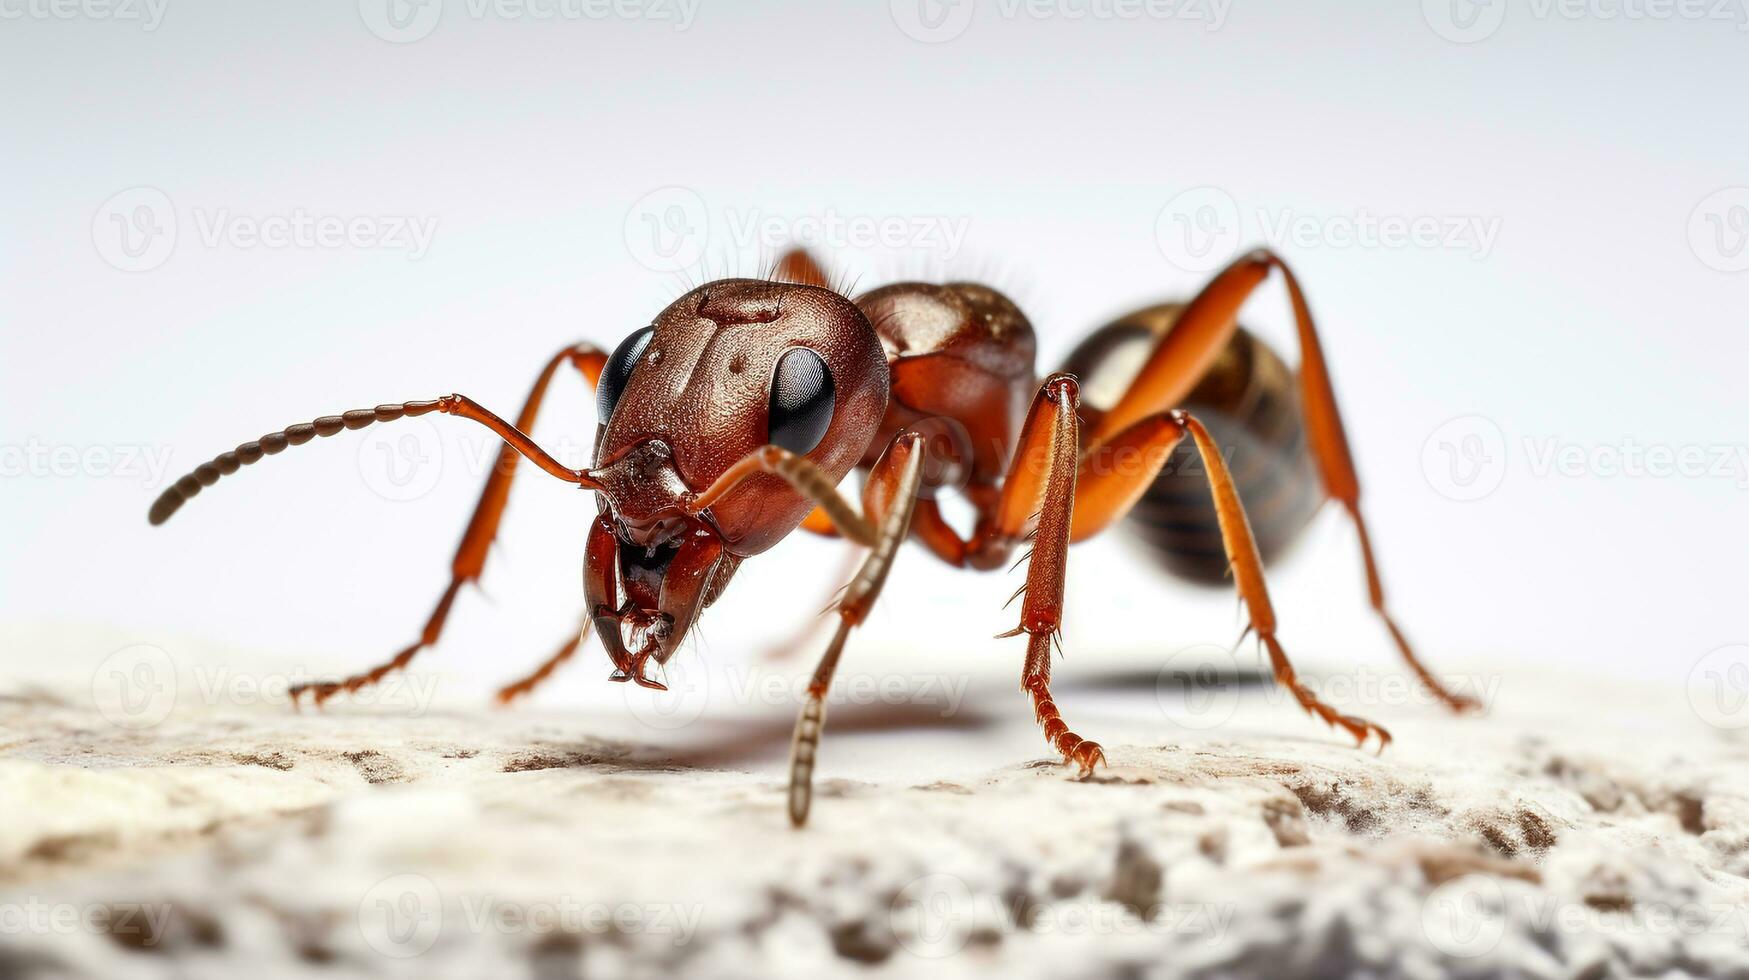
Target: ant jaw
646,594
644,634
637,674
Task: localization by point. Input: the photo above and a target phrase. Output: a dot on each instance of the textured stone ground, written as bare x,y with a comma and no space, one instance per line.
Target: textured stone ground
1608,839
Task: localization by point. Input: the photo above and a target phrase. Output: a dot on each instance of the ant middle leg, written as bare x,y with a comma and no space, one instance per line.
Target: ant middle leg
888,502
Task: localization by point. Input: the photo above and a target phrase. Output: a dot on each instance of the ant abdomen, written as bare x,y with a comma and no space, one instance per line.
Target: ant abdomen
1251,405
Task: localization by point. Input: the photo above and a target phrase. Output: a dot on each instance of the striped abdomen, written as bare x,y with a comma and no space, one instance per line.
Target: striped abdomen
1249,400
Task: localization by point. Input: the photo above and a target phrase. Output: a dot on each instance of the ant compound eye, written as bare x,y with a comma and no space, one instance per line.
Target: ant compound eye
618,371
802,397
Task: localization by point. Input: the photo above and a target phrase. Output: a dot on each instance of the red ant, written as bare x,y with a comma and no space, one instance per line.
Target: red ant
729,421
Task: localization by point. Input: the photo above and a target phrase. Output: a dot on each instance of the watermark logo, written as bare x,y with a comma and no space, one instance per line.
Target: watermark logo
406,21
1466,916
1718,687
1465,459
401,21
685,701
1198,230
1469,21
692,691
1197,686
1202,228
937,915
401,916
1464,21
300,228
135,230
936,21
933,916
1718,230
667,229
401,462
932,21
139,686
135,687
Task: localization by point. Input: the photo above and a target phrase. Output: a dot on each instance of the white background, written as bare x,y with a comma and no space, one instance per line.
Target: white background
1594,320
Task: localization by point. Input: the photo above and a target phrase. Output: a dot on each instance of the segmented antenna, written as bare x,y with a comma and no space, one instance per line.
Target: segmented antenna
207,474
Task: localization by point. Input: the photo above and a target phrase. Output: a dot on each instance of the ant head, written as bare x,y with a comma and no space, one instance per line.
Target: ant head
728,368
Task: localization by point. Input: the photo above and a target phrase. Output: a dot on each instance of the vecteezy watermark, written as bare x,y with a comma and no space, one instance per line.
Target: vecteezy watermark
404,692
138,229
936,21
140,924
1467,458
402,916
300,228
1468,916
1469,21
139,686
35,459
135,687
404,461
670,228
692,690
406,21
1718,687
135,230
147,13
1201,229
936,915
1718,230
1199,688
568,915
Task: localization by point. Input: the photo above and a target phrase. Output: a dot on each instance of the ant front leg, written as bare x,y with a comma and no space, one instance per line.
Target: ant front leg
511,692
1109,490
1183,356
470,558
889,499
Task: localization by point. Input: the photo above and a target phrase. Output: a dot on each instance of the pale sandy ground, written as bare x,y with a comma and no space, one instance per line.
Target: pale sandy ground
1580,830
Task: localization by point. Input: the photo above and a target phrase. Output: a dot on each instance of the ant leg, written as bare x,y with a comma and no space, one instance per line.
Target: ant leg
1107,491
896,478
806,479
889,499
815,628
511,692
470,557
1041,482
1184,354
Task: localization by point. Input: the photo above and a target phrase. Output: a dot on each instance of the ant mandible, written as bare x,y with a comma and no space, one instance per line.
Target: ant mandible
729,421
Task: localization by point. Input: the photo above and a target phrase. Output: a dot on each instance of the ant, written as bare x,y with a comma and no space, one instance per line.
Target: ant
729,421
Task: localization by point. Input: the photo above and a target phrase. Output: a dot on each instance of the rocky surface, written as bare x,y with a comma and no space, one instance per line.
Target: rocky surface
1532,842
